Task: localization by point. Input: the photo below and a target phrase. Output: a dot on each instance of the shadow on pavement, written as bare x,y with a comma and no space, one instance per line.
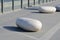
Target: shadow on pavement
30,9
42,12
16,29
57,10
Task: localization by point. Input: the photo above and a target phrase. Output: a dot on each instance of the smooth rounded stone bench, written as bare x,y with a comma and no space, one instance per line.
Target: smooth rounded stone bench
58,7
47,9
29,24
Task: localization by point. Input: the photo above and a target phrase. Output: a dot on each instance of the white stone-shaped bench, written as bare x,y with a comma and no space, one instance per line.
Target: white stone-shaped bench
47,9
29,24
58,7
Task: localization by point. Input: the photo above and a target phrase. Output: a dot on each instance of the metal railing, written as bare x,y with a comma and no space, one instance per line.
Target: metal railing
21,3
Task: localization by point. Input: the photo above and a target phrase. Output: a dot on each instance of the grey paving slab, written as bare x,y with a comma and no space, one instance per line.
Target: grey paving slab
51,32
56,36
13,36
9,31
12,16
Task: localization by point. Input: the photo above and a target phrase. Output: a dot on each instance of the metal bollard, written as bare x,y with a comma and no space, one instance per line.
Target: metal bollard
2,6
28,3
38,1
21,3
46,0
33,2
42,1
12,4
49,0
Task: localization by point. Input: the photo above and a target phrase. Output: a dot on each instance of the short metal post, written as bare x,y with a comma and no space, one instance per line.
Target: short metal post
12,4
21,3
28,3
46,0
52,0
49,0
38,1
33,2
42,1
2,6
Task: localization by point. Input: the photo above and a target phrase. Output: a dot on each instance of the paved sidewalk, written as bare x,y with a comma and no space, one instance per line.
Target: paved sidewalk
50,30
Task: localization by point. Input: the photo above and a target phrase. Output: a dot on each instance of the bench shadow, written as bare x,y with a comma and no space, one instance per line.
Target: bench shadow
16,29
42,12
57,10
30,9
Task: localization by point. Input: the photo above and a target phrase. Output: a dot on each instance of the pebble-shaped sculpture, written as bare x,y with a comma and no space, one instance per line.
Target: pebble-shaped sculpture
29,24
47,9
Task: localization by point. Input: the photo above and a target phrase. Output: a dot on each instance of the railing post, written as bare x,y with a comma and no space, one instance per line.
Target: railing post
49,0
12,4
38,1
52,0
21,3
42,1
28,3
33,2
2,6
46,0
